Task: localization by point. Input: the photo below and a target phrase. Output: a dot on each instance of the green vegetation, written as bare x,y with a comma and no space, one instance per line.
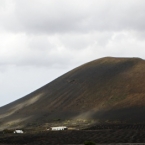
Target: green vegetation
89,143
57,119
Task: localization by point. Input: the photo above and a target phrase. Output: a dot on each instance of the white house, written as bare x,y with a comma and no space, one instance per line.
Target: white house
18,131
59,128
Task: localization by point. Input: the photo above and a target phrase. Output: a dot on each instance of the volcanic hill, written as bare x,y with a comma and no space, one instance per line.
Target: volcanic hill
104,90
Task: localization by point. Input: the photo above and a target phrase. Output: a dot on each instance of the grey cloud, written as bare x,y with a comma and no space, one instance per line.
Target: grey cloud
56,16
79,17
64,50
48,16
40,42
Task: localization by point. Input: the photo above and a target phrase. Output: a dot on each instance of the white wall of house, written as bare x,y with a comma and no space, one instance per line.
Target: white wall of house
59,128
18,131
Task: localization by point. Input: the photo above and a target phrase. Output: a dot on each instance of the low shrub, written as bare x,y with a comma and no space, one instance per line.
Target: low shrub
89,143
8,131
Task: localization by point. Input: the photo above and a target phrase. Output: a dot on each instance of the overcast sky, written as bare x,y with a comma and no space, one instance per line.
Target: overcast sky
43,39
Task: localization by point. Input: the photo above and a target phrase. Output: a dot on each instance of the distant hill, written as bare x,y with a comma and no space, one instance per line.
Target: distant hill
101,91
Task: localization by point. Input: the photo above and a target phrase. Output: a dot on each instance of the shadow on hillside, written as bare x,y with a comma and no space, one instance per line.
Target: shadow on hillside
128,115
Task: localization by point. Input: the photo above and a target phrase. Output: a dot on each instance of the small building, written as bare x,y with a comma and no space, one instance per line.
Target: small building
58,128
18,131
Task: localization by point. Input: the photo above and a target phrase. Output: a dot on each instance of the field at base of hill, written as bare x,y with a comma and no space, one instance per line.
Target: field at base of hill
106,134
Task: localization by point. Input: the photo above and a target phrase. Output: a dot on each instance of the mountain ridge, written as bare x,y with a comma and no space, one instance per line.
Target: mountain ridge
105,89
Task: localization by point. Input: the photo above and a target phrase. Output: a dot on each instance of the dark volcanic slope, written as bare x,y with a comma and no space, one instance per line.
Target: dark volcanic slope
107,89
